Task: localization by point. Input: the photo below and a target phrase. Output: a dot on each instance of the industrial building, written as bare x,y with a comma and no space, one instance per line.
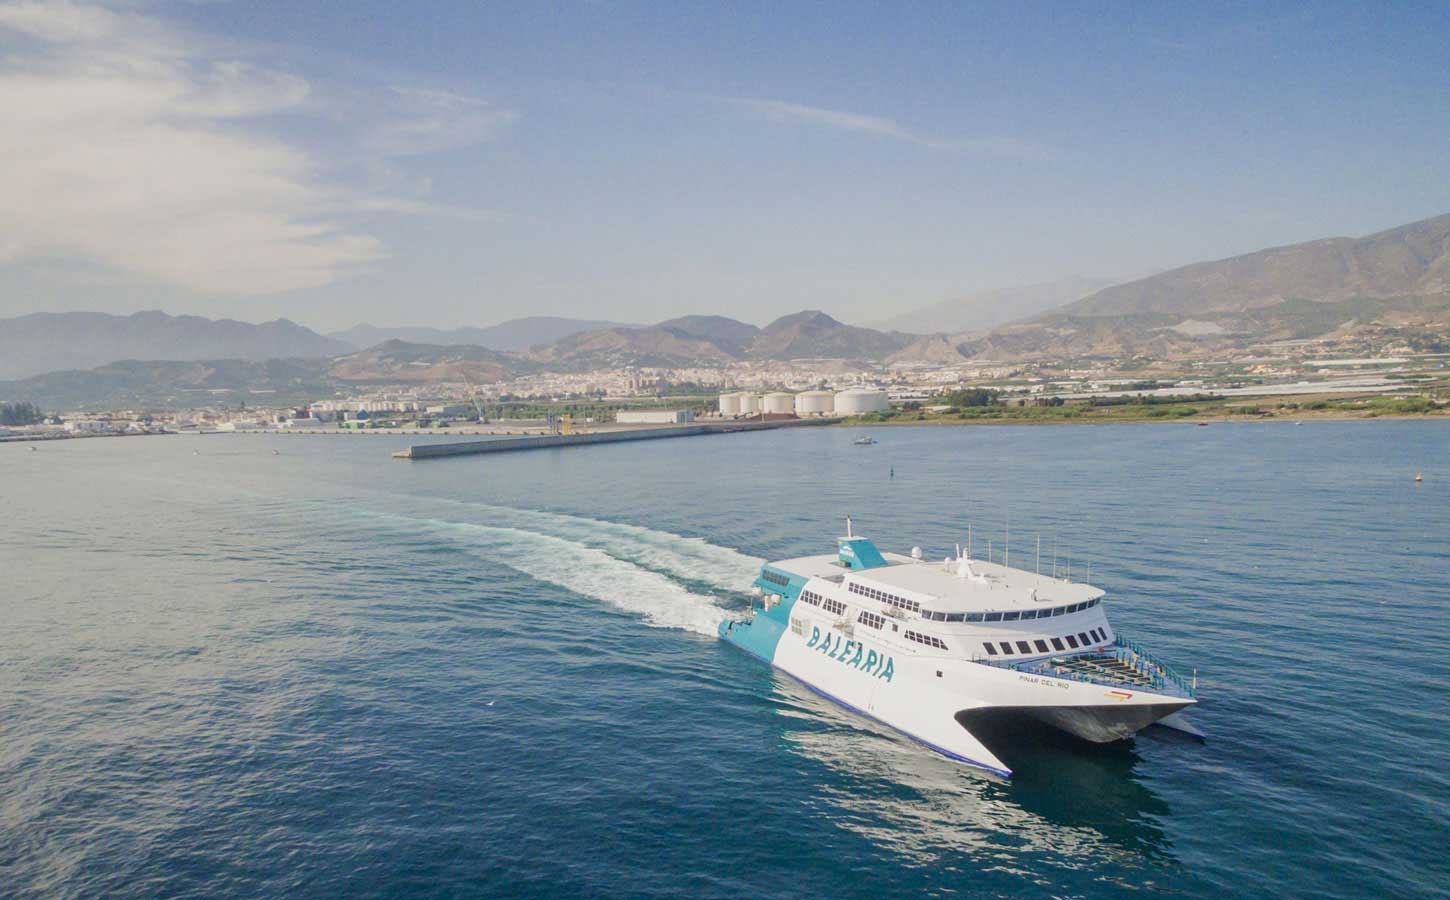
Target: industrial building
654,416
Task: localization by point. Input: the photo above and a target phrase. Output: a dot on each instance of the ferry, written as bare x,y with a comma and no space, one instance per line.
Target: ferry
929,648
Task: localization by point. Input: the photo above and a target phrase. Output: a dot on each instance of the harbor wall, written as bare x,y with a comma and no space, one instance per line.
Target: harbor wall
539,442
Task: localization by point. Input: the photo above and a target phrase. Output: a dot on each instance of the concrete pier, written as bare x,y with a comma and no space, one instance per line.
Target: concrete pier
539,442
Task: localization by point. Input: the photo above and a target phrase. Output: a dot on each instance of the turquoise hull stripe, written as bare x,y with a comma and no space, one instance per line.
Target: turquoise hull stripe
1005,773
761,635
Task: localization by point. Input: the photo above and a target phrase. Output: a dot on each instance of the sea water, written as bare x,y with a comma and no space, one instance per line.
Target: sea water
327,672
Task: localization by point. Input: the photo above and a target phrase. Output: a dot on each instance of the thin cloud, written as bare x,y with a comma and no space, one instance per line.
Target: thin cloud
879,126
131,145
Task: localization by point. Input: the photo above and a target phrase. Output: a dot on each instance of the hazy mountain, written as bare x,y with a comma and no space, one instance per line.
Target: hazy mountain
729,335
400,361
155,384
814,335
515,334
1394,281
654,345
1412,260
47,342
716,340
988,309
176,384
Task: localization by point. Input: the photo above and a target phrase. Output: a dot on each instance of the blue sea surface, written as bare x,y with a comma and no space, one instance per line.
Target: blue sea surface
226,672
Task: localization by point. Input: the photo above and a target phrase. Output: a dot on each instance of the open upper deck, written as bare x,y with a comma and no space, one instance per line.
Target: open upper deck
954,588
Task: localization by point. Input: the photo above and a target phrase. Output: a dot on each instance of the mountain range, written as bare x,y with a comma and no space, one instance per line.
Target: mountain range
989,309
1395,279
1399,278
515,334
47,342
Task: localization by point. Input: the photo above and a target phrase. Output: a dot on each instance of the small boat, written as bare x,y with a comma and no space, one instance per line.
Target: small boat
1419,476
864,441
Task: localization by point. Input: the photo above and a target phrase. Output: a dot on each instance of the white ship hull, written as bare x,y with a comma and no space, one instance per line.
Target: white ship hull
896,665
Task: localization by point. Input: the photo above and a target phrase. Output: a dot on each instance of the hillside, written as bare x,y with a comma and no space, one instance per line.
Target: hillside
176,384
654,345
1410,261
515,334
729,335
1393,280
400,361
814,335
48,342
989,309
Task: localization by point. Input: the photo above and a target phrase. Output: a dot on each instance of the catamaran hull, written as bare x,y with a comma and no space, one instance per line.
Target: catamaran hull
1103,724
933,699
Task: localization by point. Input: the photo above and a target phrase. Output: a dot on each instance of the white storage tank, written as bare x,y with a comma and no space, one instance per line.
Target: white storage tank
779,402
860,400
729,405
815,403
749,404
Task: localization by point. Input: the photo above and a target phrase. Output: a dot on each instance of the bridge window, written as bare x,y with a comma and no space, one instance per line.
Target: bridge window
1071,641
1041,645
1024,647
991,651
890,599
1084,638
775,577
927,639
994,617
1057,643
975,617
1006,647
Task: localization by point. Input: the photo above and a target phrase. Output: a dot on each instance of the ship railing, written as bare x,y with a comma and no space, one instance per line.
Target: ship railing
1138,654
1159,677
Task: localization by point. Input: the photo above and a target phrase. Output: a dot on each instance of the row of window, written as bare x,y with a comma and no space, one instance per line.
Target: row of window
926,639
890,599
1083,639
870,618
1014,616
775,577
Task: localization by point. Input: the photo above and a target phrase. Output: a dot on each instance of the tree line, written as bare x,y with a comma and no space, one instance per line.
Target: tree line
20,414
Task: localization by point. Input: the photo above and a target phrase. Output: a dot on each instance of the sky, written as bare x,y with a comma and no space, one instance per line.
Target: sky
452,164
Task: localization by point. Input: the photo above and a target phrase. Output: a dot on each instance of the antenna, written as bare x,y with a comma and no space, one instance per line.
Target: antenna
1039,553
848,526
1007,543
1054,555
989,549
969,539
1090,572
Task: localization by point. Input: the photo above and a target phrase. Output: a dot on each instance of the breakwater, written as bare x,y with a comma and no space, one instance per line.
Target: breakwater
540,442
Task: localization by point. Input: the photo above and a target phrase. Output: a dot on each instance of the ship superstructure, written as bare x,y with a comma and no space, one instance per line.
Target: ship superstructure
924,646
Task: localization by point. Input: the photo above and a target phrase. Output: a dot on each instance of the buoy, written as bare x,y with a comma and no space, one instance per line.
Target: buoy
1419,477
